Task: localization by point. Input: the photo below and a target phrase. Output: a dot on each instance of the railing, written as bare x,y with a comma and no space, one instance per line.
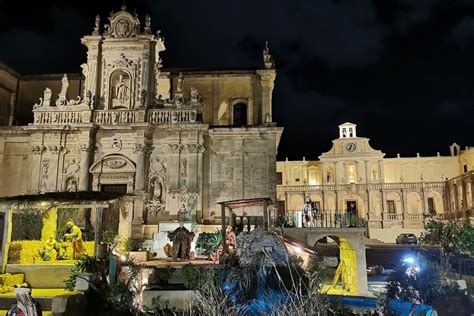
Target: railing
361,187
326,220
119,117
415,217
80,114
59,117
162,116
392,217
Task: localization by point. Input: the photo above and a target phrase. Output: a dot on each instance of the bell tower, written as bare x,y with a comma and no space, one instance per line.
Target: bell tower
347,130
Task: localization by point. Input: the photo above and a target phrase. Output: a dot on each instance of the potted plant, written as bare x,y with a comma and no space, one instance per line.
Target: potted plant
136,250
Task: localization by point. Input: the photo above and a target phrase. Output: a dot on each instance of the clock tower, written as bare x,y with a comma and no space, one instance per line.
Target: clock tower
351,159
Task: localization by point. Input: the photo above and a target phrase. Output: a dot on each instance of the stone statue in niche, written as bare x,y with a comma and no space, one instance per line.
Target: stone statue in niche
351,172
375,175
157,184
71,185
121,92
329,177
120,88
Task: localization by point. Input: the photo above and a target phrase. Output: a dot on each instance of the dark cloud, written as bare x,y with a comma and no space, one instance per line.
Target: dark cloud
400,69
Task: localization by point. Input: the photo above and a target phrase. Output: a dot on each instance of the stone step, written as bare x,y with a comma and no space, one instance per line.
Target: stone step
42,276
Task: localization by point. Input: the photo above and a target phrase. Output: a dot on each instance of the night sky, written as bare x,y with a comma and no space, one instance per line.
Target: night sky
400,69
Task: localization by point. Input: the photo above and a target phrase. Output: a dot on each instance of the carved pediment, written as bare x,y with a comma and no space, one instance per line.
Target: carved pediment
113,164
123,24
351,148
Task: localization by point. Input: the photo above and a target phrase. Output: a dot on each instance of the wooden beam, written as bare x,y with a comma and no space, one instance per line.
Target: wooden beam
223,228
7,235
98,228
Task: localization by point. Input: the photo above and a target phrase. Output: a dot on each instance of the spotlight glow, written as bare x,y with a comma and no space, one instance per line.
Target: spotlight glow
409,260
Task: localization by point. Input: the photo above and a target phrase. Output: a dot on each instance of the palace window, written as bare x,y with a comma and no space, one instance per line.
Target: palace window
465,168
391,207
431,204
279,178
240,114
297,179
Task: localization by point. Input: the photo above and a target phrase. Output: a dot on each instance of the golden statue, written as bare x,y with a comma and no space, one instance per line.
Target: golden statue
75,236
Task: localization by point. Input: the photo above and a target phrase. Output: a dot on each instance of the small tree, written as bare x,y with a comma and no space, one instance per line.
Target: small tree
452,237
427,284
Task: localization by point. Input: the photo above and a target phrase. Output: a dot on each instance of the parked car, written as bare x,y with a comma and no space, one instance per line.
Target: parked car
406,239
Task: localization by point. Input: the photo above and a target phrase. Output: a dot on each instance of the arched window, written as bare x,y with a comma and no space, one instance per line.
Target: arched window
465,168
240,114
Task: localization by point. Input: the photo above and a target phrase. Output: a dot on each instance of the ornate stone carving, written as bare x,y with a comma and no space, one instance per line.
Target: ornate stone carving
173,148
45,101
184,167
116,143
71,166
140,148
143,98
44,174
36,150
115,163
84,147
55,149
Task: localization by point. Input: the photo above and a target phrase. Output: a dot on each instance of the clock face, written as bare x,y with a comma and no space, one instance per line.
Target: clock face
351,147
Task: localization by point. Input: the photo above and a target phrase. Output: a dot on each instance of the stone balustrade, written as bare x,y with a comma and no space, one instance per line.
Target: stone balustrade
58,116
392,217
362,187
111,117
171,116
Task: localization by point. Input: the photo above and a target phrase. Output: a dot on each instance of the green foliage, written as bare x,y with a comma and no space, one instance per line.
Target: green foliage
30,224
207,243
195,277
451,236
161,276
426,286
90,264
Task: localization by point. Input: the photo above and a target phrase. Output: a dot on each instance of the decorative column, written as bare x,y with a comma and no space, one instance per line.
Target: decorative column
200,171
55,166
403,207
267,81
84,173
91,69
35,171
140,167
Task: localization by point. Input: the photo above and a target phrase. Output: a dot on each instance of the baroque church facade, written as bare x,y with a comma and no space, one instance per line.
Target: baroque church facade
392,195
179,141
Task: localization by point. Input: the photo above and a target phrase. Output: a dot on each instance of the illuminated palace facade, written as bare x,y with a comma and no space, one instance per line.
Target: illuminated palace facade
178,141
392,195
